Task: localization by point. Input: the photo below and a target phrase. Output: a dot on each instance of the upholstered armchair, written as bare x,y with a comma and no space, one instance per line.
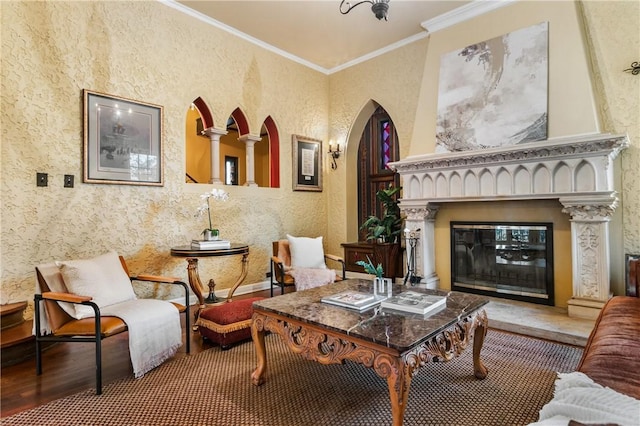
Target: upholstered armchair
90,300
301,262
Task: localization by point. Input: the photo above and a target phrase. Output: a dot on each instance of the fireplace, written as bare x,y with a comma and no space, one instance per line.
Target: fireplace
578,171
507,260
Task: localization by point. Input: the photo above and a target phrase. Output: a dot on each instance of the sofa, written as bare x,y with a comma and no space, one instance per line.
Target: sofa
612,354
605,389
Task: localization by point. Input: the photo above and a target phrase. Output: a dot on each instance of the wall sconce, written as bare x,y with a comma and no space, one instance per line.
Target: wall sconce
335,154
635,68
380,8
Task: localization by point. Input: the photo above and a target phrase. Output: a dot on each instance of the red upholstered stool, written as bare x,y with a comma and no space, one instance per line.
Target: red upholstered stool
227,323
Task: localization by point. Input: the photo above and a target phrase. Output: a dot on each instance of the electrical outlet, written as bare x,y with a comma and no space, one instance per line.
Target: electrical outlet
42,179
68,181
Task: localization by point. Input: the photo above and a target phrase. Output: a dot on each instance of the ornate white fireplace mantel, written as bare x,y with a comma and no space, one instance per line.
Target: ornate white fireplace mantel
578,171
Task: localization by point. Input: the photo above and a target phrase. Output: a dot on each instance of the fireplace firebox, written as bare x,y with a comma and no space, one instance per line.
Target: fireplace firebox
507,260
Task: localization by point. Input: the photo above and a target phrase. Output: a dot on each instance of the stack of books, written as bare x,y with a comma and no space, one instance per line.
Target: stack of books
353,299
414,302
210,245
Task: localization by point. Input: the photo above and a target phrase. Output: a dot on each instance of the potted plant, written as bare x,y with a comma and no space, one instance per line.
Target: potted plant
381,286
370,269
388,228
211,233
385,231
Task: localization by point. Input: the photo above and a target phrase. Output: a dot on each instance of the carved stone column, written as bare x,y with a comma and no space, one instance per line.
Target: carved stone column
214,136
421,219
250,141
590,254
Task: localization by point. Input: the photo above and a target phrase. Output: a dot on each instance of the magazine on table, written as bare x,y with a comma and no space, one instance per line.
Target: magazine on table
353,299
415,302
210,245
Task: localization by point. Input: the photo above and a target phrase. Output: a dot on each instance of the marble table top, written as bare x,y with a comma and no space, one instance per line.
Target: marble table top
401,331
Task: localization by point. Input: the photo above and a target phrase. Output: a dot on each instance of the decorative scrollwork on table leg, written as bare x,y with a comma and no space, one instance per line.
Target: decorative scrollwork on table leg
451,343
398,376
325,348
318,346
257,334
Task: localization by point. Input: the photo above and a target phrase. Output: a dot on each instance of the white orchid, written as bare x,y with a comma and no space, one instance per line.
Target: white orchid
215,194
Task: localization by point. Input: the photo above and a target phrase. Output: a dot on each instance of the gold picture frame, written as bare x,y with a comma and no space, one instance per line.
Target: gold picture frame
307,163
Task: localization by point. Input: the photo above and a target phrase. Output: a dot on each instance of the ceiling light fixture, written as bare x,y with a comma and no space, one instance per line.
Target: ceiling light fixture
378,7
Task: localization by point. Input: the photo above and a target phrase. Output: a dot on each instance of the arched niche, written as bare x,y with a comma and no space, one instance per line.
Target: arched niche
235,149
351,162
197,145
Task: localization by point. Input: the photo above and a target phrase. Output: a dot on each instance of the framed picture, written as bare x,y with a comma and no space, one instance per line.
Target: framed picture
307,164
122,140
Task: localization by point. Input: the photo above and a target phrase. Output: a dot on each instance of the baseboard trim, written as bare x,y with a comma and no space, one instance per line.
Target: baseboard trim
243,289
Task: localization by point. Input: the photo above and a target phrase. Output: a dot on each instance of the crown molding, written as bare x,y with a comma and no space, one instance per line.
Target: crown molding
463,13
379,52
208,20
471,10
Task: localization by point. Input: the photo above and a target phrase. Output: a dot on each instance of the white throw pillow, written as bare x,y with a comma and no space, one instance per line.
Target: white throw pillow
102,278
306,252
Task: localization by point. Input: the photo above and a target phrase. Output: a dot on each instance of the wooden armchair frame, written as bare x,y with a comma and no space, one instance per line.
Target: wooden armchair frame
65,328
280,278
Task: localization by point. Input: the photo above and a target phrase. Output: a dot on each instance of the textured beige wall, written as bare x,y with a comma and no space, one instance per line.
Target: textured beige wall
611,29
51,51
150,52
390,80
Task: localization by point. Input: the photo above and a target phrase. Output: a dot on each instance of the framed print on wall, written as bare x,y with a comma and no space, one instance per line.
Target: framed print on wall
122,140
307,164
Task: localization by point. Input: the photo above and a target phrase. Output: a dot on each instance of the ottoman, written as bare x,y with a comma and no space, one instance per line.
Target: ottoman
227,323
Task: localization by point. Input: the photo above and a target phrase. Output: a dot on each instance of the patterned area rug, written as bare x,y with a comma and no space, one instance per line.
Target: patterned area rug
214,388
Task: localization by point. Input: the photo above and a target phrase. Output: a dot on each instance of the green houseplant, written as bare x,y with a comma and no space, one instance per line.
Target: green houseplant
388,227
385,232
370,269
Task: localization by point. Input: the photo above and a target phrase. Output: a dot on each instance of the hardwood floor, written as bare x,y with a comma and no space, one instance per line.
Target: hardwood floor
69,368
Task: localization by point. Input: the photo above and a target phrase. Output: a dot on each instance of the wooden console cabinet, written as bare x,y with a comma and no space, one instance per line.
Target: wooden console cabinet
354,252
391,260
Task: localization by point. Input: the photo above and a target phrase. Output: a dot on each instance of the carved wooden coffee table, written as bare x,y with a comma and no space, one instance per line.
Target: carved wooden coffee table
395,345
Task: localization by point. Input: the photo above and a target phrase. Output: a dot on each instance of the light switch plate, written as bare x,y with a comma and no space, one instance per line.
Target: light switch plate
42,179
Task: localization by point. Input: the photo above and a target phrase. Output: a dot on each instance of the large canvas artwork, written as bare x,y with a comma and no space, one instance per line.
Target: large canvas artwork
494,93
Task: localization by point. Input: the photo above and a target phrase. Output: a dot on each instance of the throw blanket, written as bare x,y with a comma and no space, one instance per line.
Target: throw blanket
154,331
154,327
308,278
578,398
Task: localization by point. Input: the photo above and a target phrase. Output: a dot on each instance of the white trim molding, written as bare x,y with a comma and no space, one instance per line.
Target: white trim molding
463,13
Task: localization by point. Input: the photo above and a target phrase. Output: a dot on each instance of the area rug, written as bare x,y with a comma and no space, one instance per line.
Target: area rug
214,388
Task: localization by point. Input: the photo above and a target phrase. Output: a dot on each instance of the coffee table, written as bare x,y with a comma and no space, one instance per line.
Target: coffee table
394,344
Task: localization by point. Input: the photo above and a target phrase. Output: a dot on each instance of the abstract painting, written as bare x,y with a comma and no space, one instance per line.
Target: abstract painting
494,93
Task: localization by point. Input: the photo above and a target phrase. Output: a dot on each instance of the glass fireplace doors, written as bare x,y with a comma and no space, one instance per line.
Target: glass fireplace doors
508,260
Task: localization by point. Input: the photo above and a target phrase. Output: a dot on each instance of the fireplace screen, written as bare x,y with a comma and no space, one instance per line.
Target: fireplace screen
513,260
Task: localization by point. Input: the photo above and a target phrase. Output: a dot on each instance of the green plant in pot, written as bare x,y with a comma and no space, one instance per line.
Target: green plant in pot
388,227
370,269
385,231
